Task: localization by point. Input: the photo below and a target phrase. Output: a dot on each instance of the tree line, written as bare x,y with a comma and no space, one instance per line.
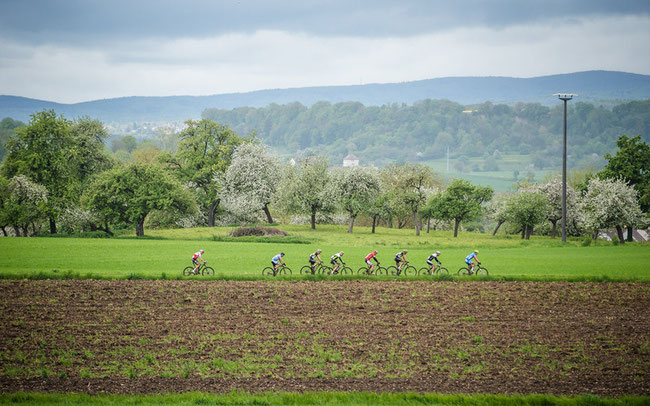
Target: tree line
424,130
58,175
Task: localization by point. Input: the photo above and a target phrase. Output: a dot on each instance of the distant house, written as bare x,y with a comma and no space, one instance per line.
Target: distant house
350,161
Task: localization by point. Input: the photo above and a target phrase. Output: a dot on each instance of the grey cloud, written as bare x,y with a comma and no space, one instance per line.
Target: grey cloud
98,21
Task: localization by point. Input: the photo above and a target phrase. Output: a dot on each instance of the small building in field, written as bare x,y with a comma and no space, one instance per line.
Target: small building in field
350,161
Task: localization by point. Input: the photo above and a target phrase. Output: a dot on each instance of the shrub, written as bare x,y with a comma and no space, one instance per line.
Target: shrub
257,231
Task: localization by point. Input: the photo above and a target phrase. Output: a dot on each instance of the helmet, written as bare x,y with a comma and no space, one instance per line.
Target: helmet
201,251
438,252
282,253
405,251
375,251
319,251
475,251
341,253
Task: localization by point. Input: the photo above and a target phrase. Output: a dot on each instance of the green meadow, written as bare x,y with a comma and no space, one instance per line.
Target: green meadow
163,253
316,398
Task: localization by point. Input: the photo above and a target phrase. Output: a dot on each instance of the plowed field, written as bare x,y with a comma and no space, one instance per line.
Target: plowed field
449,337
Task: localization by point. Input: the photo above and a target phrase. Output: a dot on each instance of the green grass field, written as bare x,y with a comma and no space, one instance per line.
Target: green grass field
168,251
316,398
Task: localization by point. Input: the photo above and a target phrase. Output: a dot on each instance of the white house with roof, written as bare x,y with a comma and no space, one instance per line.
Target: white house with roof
350,161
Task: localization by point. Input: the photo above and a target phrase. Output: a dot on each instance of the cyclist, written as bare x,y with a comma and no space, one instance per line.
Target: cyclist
469,260
277,260
195,260
312,259
335,265
371,266
433,256
400,259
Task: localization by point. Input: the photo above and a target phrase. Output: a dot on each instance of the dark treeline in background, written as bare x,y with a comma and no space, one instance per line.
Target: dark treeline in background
424,130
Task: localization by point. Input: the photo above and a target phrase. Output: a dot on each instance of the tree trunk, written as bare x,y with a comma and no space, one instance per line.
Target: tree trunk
268,214
212,209
139,229
554,229
17,231
416,220
4,230
594,236
497,228
374,221
523,232
630,232
52,226
428,224
529,231
456,225
619,231
352,218
313,219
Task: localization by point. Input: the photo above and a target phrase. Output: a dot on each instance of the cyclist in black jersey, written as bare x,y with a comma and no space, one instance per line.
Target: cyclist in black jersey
400,258
333,260
433,256
312,259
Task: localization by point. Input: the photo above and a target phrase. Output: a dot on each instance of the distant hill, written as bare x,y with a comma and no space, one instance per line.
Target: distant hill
591,86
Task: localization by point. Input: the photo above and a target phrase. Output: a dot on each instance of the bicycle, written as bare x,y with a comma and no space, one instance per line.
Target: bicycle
204,270
405,270
477,270
342,270
317,269
436,269
283,269
379,270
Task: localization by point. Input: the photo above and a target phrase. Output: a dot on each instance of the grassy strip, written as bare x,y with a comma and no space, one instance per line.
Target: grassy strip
70,275
169,251
315,398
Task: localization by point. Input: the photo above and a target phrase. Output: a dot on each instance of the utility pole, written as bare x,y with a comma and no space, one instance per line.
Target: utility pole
565,97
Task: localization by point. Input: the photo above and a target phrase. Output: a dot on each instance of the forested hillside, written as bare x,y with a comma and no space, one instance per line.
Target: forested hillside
424,130
598,87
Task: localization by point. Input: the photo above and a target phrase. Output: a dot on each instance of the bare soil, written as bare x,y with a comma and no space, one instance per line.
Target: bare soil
447,337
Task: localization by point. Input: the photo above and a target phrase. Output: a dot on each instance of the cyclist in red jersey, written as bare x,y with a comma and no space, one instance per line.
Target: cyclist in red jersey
372,255
195,260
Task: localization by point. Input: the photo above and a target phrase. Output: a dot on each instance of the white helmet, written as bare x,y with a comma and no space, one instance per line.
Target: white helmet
438,252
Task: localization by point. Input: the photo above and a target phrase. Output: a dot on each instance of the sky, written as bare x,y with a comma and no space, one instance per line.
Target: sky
71,51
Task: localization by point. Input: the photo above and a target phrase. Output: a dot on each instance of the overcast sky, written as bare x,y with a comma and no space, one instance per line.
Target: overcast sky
78,50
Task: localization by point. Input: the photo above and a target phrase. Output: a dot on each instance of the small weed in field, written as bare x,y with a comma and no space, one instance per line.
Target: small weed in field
644,348
468,318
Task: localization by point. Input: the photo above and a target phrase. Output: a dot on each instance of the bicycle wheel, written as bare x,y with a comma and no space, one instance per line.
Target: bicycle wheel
284,271
424,271
380,271
391,270
188,271
442,271
268,271
207,271
463,271
362,271
409,271
346,270
306,270
481,271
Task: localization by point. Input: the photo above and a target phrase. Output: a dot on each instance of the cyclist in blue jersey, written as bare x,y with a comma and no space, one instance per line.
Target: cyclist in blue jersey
277,260
469,260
